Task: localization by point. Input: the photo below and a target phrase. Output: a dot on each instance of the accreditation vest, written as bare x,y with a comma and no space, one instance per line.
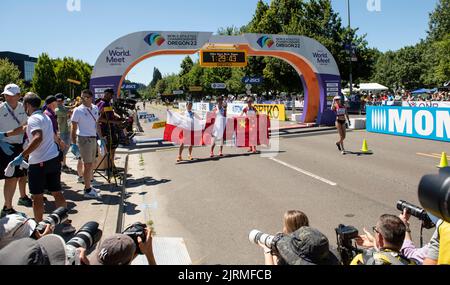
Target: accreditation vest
444,243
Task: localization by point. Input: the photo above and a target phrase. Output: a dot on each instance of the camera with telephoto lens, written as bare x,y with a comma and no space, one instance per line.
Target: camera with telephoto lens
134,231
270,241
57,217
86,237
434,194
417,212
344,236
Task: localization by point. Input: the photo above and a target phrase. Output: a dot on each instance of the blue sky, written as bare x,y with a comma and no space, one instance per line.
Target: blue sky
36,26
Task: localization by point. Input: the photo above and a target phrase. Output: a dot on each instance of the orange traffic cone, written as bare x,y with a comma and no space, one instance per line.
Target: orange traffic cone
444,162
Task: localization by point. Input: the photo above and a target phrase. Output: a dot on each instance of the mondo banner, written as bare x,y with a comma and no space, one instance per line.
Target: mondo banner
424,123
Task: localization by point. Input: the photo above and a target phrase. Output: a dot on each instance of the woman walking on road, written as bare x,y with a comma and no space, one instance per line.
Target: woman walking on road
341,115
248,111
191,115
219,126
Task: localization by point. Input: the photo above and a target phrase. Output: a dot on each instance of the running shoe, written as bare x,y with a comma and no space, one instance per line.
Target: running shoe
80,180
92,194
6,212
25,201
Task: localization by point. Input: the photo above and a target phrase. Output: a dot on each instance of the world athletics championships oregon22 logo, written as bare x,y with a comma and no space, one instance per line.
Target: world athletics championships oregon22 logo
154,38
265,41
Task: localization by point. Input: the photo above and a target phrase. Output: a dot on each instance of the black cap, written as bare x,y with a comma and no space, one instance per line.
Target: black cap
50,99
59,96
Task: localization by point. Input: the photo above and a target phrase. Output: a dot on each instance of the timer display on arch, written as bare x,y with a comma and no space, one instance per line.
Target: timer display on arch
223,58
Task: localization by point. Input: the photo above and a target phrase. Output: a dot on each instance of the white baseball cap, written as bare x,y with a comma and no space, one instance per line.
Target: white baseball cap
15,226
11,90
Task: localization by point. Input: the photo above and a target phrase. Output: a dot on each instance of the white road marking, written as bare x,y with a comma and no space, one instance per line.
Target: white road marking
304,172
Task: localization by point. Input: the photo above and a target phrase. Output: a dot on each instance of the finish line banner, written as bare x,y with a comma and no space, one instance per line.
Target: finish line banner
423,123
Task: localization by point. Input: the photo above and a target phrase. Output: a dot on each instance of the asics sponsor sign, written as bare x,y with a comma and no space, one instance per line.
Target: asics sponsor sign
424,123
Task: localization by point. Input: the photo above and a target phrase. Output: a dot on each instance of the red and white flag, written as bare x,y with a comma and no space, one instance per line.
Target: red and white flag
184,128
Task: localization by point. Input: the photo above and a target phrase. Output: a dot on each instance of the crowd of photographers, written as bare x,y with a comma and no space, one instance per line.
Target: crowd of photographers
34,141
23,241
389,242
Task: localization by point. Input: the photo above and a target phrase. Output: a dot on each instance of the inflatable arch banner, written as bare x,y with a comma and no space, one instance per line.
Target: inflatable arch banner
316,66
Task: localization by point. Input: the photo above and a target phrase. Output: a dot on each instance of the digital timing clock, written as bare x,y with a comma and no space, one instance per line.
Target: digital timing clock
223,58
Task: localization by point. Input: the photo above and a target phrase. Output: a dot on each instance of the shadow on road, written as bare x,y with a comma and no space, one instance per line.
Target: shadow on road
147,181
358,153
226,156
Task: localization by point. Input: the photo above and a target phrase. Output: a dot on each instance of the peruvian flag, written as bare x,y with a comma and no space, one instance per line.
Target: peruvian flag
184,128
252,130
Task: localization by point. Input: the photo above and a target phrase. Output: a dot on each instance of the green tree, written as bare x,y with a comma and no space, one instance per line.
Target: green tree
439,25
44,79
229,31
66,69
234,83
436,59
156,77
9,73
186,65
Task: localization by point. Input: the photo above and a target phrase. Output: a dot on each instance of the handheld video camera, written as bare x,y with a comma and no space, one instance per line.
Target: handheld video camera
344,236
86,237
58,216
134,231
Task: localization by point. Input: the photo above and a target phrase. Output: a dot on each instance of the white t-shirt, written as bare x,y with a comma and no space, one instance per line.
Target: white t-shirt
87,123
8,123
47,150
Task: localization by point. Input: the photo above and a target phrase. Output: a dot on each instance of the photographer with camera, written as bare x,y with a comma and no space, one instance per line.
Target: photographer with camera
435,254
122,249
109,124
434,196
305,246
292,221
385,245
18,226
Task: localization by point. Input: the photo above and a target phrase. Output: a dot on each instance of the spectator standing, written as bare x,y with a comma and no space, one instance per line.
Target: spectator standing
13,116
44,159
62,116
84,131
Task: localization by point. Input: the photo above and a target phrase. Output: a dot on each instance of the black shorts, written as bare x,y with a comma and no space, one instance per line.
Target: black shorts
46,175
6,159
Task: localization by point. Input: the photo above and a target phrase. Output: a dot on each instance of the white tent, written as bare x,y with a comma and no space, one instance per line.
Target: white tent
372,87
367,87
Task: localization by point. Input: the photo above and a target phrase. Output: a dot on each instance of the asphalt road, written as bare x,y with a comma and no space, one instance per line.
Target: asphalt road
214,203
